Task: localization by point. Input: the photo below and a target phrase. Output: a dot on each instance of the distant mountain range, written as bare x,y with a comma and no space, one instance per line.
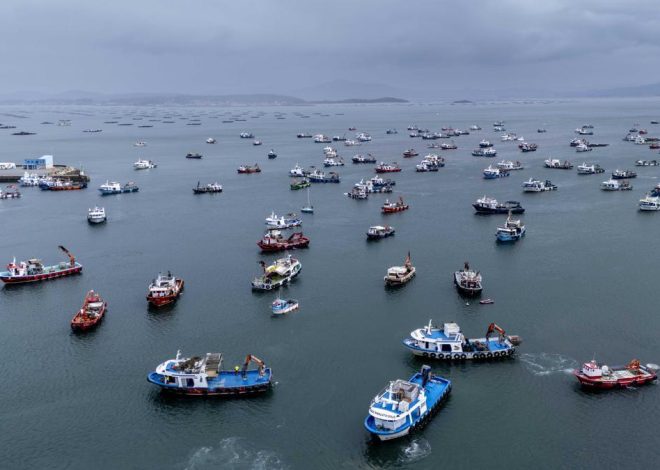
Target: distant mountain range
639,91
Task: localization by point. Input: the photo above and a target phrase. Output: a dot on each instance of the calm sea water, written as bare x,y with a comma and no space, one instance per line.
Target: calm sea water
582,283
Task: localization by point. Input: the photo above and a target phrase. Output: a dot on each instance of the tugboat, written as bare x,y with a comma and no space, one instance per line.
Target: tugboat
300,184
207,188
391,207
406,405
593,375
280,273
90,314
282,306
387,168
33,270
537,186
249,169
376,232
164,290
194,156
512,231
467,281
449,343
592,169
557,164
623,174
204,377
362,159
491,173
96,215
448,146
144,165
274,241
489,205
400,275
282,222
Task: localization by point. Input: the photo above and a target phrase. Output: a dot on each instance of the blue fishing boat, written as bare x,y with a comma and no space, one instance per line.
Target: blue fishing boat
203,376
491,173
405,405
512,231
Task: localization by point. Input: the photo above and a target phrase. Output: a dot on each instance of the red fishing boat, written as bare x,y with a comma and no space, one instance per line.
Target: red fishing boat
273,240
249,169
387,168
593,375
164,290
66,185
90,314
391,207
33,270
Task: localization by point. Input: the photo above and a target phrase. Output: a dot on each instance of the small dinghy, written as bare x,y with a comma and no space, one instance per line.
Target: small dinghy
487,302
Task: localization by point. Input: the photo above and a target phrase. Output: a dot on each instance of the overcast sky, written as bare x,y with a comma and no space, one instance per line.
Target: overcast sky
285,46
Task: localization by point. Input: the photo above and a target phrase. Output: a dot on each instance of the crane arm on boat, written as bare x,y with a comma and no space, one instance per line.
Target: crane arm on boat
72,258
250,358
493,328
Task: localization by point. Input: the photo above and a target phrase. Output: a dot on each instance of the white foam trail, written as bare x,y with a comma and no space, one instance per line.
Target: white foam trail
233,453
653,366
418,449
548,363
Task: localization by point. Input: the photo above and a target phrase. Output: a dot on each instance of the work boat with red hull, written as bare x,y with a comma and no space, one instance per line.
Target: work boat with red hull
594,375
164,290
391,207
273,240
33,270
90,314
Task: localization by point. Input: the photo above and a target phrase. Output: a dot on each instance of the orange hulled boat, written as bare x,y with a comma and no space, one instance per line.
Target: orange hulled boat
90,314
391,207
164,290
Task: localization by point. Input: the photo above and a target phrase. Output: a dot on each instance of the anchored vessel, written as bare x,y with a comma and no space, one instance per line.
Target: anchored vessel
557,164
208,188
90,314
116,188
144,165
449,343
282,306
489,205
467,281
537,186
280,273
164,290
96,215
649,203
282,222
274,241
592,169
512,231
400,275
33,270
593,375
204,376
249,169
391,207
376,232
405,405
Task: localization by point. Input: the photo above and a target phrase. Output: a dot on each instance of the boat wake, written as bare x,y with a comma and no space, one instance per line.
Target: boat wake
233,453
548,363
418,449
653,366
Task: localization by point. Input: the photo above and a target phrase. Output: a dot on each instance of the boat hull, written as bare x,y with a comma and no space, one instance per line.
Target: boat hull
599,383
8,279
246,389
166,299
469,291
462,356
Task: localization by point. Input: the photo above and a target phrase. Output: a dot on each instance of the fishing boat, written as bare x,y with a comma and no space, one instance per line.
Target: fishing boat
468,281
485,144
557,164
300,184
282,306
410,153
333,161
198,376
207,188
404,406
537,186
10,192
357,192
194,156
391,207
448,146
298,172
317,176
387,168
322,139
65,185
448,343
425,167
376,232
615,185
582,147
646,163
623,174
273,240
210,140
489,205
164,290
362,159
114,187
589,169
527,147
512,231
649,203
29,179
272,154
96,215
491,173
144,165
508,165
33,270
282,222
487,152
247,169
309,208
280,273
400,275
601,376
90,314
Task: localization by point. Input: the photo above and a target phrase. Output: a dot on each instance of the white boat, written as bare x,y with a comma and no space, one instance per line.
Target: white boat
30,179
649,203
7,166
144,164
400,275
282,306
297,171
282,222
363,137
591,169
615,185
582,147
537,186
509,165
140,143
210,140
322,139
351,143
96,215
494,173
280,273
558,164
333,161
